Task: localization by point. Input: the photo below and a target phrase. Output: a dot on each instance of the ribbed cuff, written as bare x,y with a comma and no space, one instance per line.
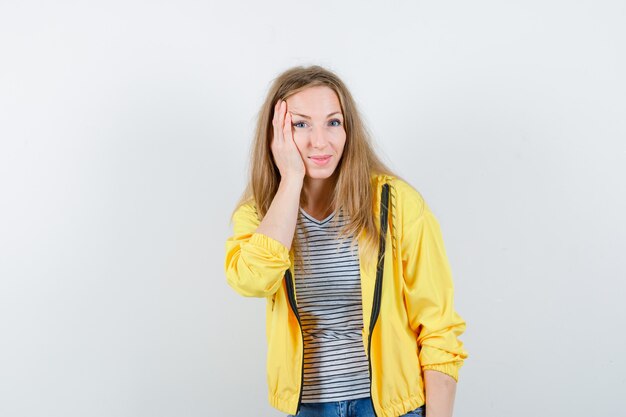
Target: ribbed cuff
451,368
276,248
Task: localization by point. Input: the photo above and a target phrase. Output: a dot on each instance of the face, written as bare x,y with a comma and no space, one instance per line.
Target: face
318,129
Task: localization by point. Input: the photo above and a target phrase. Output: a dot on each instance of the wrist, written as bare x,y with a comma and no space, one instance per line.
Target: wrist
292,180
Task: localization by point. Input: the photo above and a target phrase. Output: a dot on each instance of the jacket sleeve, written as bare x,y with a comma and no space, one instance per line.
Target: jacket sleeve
255,263
429,291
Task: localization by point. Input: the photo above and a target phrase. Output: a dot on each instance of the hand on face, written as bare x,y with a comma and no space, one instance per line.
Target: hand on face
286,154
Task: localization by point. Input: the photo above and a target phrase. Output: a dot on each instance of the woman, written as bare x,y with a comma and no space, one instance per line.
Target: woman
360,318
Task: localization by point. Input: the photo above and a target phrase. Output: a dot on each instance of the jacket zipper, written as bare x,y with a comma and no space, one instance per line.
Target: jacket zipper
294,307
384,200
377,296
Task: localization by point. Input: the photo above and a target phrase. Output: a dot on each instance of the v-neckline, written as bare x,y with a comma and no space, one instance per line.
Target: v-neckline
314,220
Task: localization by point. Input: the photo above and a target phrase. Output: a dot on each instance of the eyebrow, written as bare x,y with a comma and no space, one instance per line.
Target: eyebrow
309,117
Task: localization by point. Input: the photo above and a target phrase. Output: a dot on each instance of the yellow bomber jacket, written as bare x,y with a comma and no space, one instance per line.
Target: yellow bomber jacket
409,320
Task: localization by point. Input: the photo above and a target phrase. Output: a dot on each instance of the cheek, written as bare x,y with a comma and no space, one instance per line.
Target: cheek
300,140
299,136
340,141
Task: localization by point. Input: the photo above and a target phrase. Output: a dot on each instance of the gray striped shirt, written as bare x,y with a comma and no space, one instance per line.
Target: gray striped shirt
329,303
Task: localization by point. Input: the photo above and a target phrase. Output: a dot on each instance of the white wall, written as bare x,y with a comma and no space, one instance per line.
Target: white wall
124,129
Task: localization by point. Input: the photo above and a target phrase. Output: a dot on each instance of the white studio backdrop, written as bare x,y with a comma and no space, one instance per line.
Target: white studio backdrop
124,136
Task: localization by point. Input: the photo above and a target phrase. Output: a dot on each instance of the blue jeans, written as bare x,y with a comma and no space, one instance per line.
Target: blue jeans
361,407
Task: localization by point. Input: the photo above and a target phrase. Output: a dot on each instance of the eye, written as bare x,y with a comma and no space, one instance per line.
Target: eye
298,123
336,121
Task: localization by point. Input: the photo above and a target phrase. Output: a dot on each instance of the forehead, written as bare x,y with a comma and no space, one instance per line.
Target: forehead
314,101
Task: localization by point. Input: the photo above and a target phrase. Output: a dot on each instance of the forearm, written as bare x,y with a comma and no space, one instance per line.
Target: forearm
440,392
279,222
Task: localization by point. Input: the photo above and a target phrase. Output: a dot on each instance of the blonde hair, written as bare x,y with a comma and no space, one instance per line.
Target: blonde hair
353,189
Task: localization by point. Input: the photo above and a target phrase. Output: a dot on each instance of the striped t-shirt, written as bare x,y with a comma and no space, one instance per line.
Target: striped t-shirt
328,294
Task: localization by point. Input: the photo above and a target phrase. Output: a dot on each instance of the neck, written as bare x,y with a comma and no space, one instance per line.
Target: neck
318,193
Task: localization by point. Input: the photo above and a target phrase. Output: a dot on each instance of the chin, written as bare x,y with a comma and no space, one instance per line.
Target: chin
320,174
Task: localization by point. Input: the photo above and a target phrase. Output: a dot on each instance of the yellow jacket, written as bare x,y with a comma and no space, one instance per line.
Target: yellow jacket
409,321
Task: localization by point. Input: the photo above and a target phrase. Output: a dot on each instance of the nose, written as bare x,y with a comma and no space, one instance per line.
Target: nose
318,138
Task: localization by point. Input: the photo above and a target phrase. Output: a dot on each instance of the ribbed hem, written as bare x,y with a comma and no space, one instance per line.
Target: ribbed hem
286,405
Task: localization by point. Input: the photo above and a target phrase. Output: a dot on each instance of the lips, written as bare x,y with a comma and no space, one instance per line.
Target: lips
321,160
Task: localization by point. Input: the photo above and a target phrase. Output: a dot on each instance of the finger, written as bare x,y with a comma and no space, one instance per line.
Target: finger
276,109
281,121
283,113
287,128
276,136
275,119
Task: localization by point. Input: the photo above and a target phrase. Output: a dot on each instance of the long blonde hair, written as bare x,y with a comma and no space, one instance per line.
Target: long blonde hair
353,189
